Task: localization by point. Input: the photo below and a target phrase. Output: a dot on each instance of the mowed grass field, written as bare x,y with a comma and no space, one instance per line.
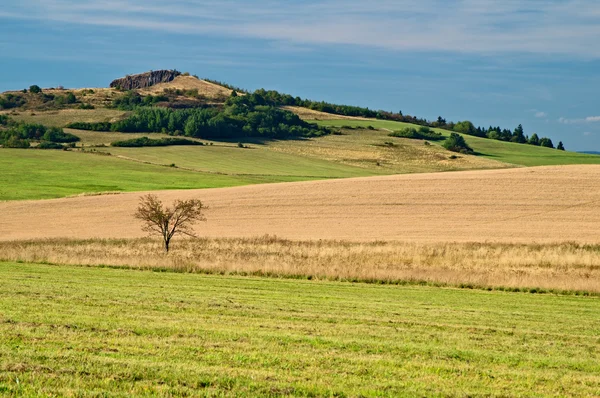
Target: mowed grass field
76,331
36,174
507,152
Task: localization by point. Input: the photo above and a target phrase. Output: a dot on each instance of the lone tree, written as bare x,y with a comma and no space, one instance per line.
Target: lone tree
169,221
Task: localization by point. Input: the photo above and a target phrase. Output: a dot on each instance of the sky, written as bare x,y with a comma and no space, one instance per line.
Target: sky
500,63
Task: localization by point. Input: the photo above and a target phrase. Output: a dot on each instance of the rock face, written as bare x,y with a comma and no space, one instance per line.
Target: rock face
144,80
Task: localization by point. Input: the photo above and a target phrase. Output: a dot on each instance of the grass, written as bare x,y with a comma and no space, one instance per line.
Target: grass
36,174
74,331
564,267
507,152
60,118
256,160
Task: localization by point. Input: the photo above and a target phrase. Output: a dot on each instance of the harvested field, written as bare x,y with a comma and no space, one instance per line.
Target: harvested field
543,204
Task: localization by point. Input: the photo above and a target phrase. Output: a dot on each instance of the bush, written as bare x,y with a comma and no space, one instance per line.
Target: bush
35,89
86,106
16,142
50,145
457,143
101,126
423,133
145,141
55,134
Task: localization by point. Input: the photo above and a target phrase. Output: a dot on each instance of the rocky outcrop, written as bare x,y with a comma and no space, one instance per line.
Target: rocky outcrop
144,80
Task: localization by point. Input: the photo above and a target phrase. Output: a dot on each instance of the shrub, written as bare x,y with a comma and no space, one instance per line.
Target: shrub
457,143
86,106
35,89
423,133
145,141
101,126
55,134
50,145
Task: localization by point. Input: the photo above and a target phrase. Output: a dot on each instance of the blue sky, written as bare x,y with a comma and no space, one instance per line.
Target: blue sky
534,62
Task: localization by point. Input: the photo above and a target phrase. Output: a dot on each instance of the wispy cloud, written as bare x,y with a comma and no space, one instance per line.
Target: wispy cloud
587,133
540,115
551,27
589,119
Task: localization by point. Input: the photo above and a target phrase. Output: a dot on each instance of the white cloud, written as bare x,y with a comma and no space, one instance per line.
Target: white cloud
541,114
568,27
589,119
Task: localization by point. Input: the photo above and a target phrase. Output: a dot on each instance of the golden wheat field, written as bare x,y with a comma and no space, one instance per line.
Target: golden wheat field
526,205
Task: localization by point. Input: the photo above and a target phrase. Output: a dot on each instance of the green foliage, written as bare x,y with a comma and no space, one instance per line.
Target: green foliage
534,140
546,142
14,141
18,135
86,106
457,143
560,146
519,135
145,141
66,99
422,133
10,101
99,126
55,134
240,118
35,89
465,127
132,100
50,145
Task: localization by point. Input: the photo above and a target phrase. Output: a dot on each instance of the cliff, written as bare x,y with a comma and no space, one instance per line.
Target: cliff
144,80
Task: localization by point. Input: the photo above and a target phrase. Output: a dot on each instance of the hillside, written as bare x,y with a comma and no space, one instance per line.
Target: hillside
356,147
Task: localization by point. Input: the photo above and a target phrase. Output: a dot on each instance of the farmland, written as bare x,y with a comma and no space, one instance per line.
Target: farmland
521,205
84,331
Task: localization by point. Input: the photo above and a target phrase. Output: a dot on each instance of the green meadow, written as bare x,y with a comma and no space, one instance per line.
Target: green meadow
79,331
37,174
507,152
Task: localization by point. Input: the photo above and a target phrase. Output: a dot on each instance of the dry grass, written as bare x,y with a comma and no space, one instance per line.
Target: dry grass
526,205
207,89
310,114
371,149
564,267
61,118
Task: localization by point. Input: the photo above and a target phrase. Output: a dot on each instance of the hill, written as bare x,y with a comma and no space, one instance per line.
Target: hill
356,146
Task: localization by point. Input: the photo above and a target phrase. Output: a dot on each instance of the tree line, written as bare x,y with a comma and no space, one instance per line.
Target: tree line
275,98
19,135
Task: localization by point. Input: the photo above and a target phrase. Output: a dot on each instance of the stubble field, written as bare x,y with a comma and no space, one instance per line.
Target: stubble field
528,205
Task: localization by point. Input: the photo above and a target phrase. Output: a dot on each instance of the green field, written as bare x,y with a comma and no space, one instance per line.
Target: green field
77,331
229,159
36,174
508,152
